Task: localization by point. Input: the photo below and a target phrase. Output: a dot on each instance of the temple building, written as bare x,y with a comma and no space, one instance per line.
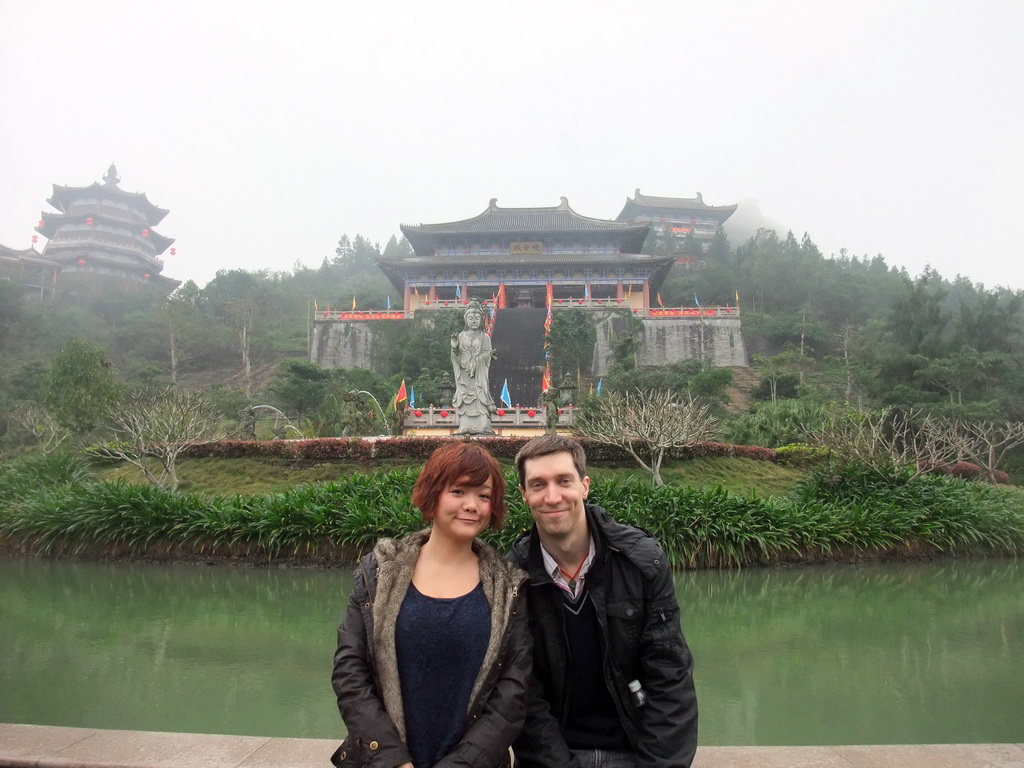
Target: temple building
677,217
524,264
28,268
103,230
526,257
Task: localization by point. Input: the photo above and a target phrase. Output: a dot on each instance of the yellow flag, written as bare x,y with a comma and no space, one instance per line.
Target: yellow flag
353,303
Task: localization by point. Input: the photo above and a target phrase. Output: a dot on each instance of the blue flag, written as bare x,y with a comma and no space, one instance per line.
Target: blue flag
599,383
506,398
458,292
412,395
696,300
389,301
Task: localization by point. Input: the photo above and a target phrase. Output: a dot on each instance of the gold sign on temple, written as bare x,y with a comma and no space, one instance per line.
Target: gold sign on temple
515,248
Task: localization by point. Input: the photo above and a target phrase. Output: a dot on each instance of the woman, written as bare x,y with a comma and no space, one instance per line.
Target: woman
434,649
471,363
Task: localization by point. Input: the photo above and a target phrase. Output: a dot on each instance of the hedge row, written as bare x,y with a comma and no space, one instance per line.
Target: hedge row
420,448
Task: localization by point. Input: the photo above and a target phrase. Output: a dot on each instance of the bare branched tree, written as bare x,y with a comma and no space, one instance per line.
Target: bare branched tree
42,426
986,443
889,439
647,425
153,428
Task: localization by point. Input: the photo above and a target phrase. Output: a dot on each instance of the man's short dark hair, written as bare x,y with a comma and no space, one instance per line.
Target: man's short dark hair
545,446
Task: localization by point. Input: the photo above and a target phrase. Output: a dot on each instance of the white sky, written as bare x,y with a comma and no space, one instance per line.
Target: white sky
270,128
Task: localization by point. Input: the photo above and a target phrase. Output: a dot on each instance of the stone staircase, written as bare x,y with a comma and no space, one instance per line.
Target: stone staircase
518,339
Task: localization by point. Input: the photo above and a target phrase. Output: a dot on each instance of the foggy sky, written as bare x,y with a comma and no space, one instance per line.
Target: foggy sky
270,129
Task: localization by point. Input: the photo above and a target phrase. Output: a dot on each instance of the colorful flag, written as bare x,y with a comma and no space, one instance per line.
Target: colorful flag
600,382
696,300
547,321
353,303
400,395
389,301
501,296
550,295
412,395
545,382
315,309
506,398
737,297
659,300
458,292
586,291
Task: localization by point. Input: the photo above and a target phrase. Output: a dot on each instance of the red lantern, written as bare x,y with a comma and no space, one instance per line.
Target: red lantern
559,411
531,413
81,262
145,233
88,222
173,251
501,411
444,414
417,413
41,224
35,238
146,275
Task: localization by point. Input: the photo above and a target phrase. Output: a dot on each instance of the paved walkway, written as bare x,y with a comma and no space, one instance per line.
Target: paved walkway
44,746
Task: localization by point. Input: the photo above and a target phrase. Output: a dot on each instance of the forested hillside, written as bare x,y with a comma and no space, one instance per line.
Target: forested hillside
820,332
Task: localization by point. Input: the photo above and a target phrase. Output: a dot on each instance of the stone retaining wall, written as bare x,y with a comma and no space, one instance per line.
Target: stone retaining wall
50,746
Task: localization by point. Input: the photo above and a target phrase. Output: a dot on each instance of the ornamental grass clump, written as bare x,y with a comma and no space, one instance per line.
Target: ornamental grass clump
883,509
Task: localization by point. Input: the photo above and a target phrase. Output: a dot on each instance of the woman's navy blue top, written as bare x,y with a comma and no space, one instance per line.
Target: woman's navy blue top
441,644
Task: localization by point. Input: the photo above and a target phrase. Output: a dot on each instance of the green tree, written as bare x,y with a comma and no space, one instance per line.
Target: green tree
80,389
571,340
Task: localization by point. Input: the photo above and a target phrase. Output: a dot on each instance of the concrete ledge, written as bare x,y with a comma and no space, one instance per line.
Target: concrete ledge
42,746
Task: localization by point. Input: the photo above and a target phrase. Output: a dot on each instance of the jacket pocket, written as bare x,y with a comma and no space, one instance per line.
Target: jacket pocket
625,621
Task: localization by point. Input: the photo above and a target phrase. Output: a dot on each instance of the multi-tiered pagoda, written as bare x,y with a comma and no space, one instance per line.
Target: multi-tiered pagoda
103,230
677,217
528,257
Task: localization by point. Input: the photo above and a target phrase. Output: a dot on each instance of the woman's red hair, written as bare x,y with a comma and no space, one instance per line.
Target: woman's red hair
463,464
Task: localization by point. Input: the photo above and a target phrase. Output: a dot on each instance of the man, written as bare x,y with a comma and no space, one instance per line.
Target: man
613,676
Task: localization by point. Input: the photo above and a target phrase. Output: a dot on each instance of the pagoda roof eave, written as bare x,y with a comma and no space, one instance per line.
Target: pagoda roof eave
61,194
52,220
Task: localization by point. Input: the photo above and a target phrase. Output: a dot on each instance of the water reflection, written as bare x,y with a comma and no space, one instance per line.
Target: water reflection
875,654
914,653
170,648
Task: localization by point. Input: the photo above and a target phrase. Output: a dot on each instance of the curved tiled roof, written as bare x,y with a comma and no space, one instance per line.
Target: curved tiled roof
63,196
673,205
507,221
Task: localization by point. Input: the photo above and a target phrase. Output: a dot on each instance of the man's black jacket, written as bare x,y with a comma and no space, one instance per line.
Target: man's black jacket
630,583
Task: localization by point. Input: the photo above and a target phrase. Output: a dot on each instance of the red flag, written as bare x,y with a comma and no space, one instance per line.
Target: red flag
400,396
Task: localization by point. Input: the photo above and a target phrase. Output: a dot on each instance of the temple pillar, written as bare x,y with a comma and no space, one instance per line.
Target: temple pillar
618,291
407,299
647,295
433,292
